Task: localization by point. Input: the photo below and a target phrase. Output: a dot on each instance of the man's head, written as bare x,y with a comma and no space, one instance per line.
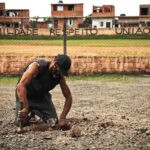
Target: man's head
60,65
64,63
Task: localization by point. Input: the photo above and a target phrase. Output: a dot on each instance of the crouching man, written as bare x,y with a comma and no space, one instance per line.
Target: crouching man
32,91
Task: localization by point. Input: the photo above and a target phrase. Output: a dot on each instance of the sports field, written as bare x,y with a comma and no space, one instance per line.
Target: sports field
108,47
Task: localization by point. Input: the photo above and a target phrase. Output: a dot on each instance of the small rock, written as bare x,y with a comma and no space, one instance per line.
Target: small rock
41,141
107,124
147,132
1,144
103,125
47,138
75,131
123,117
85,119
1,122
110,123
142,130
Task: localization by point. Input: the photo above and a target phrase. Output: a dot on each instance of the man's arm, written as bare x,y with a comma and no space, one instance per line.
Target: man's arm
68,101
32,71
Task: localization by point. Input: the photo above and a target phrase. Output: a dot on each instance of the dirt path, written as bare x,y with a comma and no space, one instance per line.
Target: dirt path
111,115
74,50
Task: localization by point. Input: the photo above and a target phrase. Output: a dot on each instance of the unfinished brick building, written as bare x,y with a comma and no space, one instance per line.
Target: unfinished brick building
105,16
18,18
103,11
143,20
66,10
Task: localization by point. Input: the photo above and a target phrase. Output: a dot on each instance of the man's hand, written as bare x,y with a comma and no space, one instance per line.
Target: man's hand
22,114
61,124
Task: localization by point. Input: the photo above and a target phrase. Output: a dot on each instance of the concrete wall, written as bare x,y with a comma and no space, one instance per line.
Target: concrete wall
81,65
97,23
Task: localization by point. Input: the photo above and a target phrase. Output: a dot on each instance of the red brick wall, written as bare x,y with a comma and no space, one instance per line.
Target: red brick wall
78,11
104,13
81,65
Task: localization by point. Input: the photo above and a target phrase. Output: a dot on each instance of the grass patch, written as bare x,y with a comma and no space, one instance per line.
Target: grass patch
114,77
8,79
109,43
96,77
106,77
84,43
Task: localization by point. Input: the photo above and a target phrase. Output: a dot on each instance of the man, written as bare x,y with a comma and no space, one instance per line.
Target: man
33,89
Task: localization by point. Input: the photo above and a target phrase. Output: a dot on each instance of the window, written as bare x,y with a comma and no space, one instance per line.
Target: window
144,11
12,14
94,10
60,8
100,10
54,8
70,22
108,24
70,7
107,9
101,24
97,10
1,13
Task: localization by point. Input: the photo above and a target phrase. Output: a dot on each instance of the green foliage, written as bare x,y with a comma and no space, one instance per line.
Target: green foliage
48,20
87,23
32,24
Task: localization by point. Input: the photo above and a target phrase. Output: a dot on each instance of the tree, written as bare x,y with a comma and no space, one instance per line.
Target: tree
86,23
33,22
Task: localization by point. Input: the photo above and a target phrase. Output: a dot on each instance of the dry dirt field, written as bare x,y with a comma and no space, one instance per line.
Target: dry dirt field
110,115
31,50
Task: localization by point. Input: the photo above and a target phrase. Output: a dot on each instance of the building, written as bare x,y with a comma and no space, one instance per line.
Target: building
133,21
143,20
144,10
18,18
71,11
103,16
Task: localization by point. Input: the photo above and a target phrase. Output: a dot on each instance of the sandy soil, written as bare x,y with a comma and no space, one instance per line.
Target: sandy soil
110,115
74,50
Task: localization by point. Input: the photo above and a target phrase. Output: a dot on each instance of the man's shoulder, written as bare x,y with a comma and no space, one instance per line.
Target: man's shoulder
42,62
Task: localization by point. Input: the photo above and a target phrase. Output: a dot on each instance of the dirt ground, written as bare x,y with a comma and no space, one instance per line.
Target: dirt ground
31,50
110,115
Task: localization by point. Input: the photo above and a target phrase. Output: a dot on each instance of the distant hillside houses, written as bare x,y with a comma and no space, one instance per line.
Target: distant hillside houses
18,18
100,17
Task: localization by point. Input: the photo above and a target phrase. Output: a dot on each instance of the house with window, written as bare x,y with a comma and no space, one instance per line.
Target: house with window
70,11
143,20
144,10
103,16
13,17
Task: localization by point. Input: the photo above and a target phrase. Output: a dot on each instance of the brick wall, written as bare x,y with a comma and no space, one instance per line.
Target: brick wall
81,65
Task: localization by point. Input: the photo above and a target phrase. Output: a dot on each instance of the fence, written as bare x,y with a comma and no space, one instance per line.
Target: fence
77,37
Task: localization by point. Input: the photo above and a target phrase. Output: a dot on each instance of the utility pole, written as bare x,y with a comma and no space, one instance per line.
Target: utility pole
65,38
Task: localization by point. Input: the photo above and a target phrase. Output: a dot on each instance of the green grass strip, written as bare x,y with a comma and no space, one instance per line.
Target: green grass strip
81,43
97,77
8,79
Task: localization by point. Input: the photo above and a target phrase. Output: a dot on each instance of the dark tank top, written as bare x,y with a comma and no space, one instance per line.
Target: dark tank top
43,82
